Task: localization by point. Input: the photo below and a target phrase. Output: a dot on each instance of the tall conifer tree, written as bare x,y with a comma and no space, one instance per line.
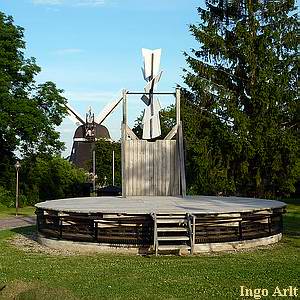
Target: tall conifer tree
242,117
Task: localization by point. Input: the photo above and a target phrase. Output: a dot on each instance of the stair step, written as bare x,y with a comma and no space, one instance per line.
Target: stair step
173,247
168,221
173,238
172,229
170,216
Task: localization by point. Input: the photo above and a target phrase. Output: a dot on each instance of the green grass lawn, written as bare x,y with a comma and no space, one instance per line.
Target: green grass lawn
33,275
6,212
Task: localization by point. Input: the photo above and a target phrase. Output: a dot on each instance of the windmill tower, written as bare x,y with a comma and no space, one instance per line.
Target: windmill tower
152,166
88,132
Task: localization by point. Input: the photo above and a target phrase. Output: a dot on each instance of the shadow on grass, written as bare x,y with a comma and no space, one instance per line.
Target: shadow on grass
27,230
21,290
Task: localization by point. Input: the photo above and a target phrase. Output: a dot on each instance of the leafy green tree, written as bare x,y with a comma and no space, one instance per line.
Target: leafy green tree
48,178
167,121
28,113
241,119
104,154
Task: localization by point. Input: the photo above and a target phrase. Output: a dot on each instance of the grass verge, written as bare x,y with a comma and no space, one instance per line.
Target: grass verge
6,212
100,276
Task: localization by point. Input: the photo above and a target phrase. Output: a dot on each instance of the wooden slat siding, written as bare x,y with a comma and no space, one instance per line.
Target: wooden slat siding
130,171
140,181
165,168
168,167
160,169
151,168
143,169
174,170
138,171
134,168
181,160
177,173
171,171
156,175
147,170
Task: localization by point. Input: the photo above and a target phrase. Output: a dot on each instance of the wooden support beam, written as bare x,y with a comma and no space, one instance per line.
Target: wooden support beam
124,92
177,106
181,160
130,133
172,133
123,145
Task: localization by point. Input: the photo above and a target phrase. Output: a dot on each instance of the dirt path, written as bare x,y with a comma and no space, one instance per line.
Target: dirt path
15,222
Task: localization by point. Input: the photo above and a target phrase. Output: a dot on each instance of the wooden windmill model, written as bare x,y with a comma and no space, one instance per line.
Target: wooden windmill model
152,167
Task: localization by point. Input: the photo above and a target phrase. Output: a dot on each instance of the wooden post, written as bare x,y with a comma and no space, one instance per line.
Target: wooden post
194,233
113,167
17,192
155,234
177,95
124,138
181,160
124,92
94,172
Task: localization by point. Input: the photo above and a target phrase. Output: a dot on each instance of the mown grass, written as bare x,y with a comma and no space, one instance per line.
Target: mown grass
165,277
6,212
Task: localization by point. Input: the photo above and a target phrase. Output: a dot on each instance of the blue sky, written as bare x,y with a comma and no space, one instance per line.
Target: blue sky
92,48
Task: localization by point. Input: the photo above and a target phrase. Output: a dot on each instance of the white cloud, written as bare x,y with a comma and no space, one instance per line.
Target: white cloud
74,3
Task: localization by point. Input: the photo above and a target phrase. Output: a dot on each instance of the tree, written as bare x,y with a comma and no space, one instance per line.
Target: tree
28,113
167,121
104,150
48,178
241,118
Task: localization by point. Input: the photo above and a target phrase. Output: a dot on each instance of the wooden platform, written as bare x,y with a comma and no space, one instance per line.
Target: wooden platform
156,204
160,223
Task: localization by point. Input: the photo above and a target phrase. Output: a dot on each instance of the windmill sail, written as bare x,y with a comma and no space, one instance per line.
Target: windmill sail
74,116
151,62
107,110
151,121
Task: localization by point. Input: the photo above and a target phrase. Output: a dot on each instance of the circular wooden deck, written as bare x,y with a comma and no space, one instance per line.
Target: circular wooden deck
162,222
156,204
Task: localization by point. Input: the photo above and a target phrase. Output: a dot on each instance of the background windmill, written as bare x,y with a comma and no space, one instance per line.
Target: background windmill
89,130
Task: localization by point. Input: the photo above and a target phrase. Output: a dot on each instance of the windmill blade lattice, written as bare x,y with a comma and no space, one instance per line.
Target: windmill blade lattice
151,121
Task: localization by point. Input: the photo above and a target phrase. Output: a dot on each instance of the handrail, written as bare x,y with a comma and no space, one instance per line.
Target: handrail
192,230
155,240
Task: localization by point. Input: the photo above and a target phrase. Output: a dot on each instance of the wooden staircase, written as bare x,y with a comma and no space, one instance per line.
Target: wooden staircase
173,232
